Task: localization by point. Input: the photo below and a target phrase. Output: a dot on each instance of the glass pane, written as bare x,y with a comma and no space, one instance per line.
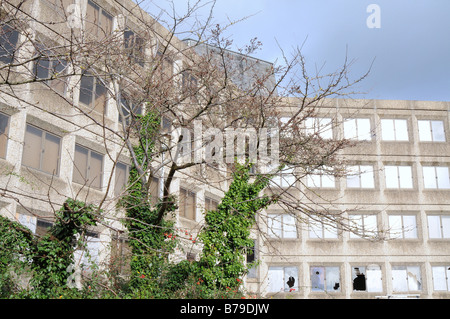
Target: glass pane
289,229
50,158
350,129
105,24
439,278
364,132
276,279
434,226
356,223
4,125
401,130
445,226
332,278
317,279
80,165
395,226
313,180
374,282
326,130
387,130
409,226
274,225
190,206
405,176
8,42
367,180
438,131
391,175
86,89
291,278
32,148
28,221
120,178
370,225
429,177
310,125
43,68
353,177
92,22
328,181
95,170
315,229
154,190
424,131
100,96
182,202
443,179
59,84
414,278
330,231
399,279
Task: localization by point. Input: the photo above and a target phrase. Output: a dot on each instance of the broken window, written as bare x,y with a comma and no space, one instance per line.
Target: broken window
438,226
367,278
406,279
402,226
325,279
441,278
283,279
281,226
4,128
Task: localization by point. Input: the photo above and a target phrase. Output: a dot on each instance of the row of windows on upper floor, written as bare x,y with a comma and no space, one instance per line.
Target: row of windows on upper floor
405,278
363,177
400,226
392,129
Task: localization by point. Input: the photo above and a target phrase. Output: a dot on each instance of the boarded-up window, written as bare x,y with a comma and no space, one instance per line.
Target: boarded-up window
41,150
187,204
4,127
88,167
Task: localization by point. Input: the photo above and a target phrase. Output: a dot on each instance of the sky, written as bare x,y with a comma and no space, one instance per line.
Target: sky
408,50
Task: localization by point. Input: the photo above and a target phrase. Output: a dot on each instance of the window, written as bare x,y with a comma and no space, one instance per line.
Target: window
436,177
441,278
88,167
281,226
38,226
154,190
121,180
93,92
41,150
325,279
250,258
130,109
165,68
135,46
210,204
284,178
367,278
120,256
86,257
283,279
438,226
394,130
8,42
363,225
406,279
431,131
358,129
99,23
4,127
360,176
322,228
187,204
319,126
398,176
52,69
320,179
402,226
189,85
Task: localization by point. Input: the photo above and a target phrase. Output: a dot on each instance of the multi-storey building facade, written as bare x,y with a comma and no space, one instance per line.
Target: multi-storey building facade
397,193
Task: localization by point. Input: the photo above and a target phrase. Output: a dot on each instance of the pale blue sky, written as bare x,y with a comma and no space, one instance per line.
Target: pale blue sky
411,48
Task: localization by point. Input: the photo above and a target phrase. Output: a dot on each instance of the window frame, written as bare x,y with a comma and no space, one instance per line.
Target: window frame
183,210
446,276
368,281
5,135
442,227
100,32
284,231
319,176
318,230
359,174
51,70
364,224
439,181
399,180
395,130
408,270
96,82
317,128
405,234
87,176
286,271
323,281
354,125
12,34
429,135
43,139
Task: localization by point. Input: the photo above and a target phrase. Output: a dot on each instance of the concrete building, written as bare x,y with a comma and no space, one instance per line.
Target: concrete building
51,149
